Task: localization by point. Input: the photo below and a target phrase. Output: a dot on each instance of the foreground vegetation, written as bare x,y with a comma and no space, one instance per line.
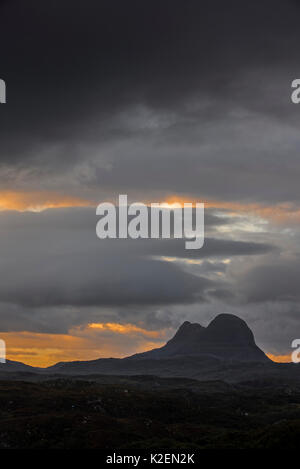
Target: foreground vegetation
148,412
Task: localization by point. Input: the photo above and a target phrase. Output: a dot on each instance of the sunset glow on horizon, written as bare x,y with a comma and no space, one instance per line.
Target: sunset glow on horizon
42,350
81,343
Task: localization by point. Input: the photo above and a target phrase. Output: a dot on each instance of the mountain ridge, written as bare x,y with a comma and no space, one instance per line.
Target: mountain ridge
226,340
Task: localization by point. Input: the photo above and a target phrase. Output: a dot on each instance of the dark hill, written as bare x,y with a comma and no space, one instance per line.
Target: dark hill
227,337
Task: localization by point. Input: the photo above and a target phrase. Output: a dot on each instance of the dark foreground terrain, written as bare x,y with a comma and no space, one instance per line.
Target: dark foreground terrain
205,388
148,412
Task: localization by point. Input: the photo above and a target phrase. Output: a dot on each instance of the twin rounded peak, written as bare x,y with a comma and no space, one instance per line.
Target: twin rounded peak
223,328
227,337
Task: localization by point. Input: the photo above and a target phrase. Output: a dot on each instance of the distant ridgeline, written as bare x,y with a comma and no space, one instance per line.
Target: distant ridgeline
2,91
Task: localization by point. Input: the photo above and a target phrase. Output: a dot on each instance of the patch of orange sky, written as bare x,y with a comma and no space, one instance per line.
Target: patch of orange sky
38,201
96,340
280,358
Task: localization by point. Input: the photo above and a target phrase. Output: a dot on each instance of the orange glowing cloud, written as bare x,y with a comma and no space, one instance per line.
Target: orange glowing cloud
278,213
124,329
37,201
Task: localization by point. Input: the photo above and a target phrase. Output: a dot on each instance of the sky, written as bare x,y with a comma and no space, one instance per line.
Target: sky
165,101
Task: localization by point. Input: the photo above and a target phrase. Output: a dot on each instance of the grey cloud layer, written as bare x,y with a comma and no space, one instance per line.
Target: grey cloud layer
55,259
112,96
57,275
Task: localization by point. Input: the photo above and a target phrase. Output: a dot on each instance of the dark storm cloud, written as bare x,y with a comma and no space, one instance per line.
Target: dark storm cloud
132,95
78,218
100,280
54,260
212,248
277,280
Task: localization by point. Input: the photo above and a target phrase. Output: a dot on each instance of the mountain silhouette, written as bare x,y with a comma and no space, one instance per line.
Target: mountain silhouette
227,337
225,350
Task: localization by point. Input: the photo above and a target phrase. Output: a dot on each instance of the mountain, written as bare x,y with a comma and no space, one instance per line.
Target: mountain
224,350
227,337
